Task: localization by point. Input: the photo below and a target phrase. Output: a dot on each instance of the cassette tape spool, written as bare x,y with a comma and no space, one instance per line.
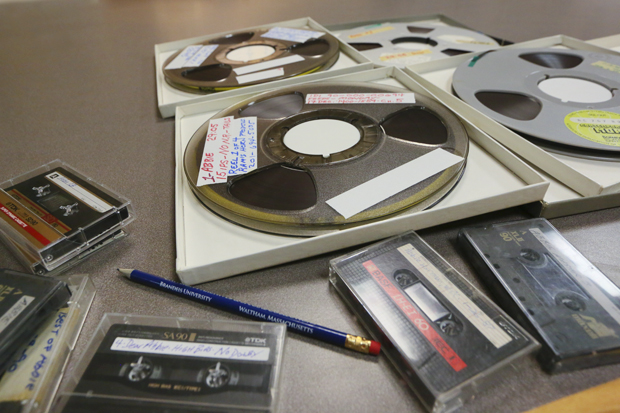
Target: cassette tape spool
401,44
239,50
564,100
548,286
287,193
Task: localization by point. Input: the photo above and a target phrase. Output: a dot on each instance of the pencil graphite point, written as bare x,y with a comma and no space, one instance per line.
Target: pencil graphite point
125,272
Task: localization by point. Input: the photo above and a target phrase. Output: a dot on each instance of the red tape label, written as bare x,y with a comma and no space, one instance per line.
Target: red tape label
416,318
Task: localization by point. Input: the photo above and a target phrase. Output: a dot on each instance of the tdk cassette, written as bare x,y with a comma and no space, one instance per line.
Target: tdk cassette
552,289
444,337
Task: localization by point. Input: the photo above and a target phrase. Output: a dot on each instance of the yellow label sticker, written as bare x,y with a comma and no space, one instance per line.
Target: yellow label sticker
595,125
369,32
607,66
404,55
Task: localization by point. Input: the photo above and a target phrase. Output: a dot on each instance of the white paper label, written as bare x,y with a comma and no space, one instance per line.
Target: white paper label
188,349
191,56
244,149
268,64
578,273
358,98
15,310
216,153
80,193
292,35
468,308
29,365
267,74
390,183
200,56
230,149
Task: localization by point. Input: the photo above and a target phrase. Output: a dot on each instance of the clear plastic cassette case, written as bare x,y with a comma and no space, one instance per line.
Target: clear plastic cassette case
158,364
445,338
33,376
552,289
54,216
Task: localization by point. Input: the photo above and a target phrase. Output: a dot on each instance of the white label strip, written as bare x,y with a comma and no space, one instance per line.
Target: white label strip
200,56
358,98
283,61
268,74
578,271
15,310
23,377
390,183
475,315
80,193
215,161
188,349
292,35
182,58
244,146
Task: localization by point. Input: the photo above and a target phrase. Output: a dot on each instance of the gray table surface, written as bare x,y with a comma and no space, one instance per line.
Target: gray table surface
77,83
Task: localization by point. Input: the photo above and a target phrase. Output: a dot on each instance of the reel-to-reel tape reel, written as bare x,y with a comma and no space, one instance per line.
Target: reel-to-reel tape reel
402,44
247,58
315,142
566,101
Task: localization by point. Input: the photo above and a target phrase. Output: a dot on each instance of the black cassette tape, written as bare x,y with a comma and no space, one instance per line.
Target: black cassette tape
443,336
548,286
25,303
53,217
165,369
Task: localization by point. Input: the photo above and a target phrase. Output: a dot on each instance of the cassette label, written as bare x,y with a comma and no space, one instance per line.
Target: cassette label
416,318
443,335
189,349
56,223
79,192
22,220
477,317
550,287
158,368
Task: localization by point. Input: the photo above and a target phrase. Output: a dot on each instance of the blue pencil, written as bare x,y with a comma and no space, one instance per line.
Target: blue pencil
321,333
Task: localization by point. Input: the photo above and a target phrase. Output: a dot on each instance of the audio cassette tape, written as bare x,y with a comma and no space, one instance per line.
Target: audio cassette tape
54,216
442,335
176,365
548,286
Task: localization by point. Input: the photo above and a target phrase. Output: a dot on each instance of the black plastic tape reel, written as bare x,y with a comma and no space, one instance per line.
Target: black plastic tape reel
569,99
286,194
402,44
217,72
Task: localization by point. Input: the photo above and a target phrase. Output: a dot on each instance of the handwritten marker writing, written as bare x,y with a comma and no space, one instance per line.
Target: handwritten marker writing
318,332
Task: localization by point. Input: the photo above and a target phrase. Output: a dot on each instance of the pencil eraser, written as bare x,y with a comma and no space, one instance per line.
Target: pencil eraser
375,348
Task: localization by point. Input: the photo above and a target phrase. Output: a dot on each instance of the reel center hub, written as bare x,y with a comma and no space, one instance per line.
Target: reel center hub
572,89
321,137
250,53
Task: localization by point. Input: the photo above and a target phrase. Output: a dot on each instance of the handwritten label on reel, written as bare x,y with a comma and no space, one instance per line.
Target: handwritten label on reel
230,149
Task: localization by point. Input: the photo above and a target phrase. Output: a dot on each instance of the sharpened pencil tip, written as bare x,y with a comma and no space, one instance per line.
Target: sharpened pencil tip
125,272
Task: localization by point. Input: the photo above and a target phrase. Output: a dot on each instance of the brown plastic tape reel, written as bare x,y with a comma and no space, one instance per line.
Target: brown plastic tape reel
216,72
287,193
